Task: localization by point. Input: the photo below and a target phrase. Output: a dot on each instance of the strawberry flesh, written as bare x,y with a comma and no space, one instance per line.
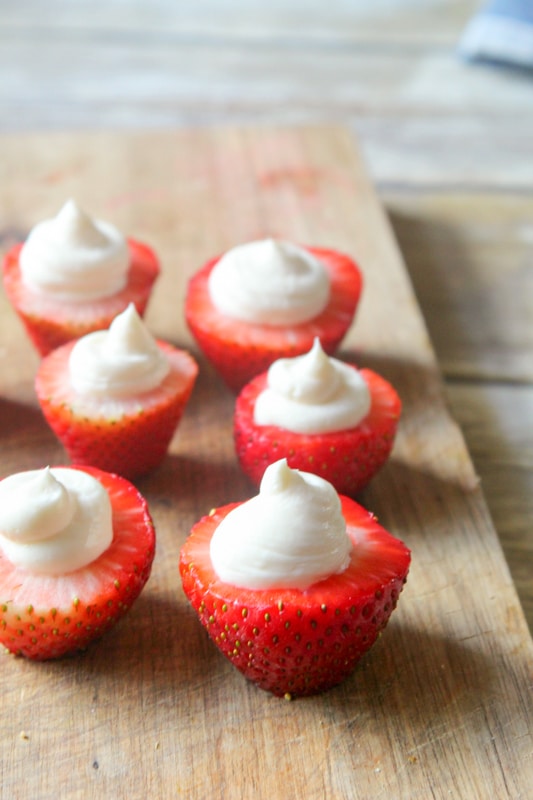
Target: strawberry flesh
130,436
292,642
348,459
50,322
44,617
241,350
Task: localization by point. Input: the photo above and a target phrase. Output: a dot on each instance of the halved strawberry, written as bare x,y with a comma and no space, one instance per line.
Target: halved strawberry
295,642
50,322
348,459
241,350
127,436
43,617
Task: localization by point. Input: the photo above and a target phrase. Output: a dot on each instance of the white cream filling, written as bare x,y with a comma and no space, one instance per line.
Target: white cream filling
54,521
122,361
269,282
291,535
74,257
313,394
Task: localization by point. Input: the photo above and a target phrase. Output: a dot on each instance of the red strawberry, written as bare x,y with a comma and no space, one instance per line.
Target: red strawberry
51,323
348,459
240,350
44,617
127,436
293,642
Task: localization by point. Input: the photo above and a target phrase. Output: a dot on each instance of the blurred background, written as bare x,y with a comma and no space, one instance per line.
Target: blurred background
445,123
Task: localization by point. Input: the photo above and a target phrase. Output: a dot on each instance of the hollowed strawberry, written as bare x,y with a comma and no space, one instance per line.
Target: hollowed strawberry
50,322
240,350
127,436
44,617
299,642
348,459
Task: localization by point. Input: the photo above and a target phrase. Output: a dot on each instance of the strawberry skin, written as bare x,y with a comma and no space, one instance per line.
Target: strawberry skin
292,642
50,323
240,350
127,436
44,617
348,459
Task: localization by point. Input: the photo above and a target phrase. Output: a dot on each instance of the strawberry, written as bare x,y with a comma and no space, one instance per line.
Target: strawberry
50,322
241,350
127,436
348,459
43,617
295,642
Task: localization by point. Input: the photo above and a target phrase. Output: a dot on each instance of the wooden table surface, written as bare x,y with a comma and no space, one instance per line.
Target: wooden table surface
447,144
442,703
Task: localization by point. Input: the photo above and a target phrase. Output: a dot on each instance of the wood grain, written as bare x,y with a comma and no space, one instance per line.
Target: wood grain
441,706
469,257
390,71
496,420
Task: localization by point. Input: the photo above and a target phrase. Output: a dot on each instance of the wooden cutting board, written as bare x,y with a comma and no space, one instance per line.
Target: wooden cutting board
442,706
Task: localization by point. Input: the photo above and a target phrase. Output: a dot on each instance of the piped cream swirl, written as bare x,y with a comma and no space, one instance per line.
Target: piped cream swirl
122,361
74,257
54,521
313,394
291,535
269,282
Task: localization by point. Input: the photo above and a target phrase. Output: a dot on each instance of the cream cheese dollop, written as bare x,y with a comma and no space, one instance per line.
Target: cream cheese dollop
74,257
122,361
313,394
269,282
54,521
291,535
